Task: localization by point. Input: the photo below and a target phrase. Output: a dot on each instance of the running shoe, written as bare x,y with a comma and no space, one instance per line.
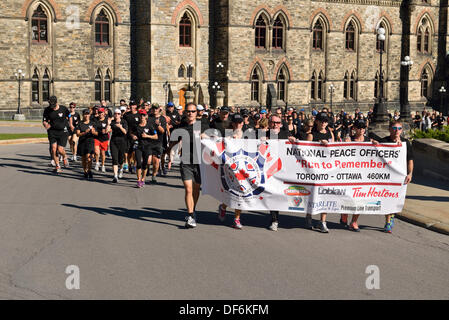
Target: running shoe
57,169
97,166
392,221
190,222
221,213
274,226
309,222
52,163
103,169
125,167
115,180
354,227
237,224
388,227
323,227
66,163
120,174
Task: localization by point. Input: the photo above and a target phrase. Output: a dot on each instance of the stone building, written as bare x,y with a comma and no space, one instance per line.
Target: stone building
271,52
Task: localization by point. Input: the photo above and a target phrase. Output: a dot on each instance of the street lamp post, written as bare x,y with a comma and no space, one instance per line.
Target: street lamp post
405,106
381,112
20,75
331,91
442,108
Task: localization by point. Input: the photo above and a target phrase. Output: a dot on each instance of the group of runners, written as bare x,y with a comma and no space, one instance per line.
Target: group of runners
140,135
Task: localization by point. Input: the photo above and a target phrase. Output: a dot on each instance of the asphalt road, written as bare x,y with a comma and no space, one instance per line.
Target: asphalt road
130,243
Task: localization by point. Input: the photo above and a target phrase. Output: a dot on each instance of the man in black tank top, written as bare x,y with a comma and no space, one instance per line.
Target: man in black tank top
320,133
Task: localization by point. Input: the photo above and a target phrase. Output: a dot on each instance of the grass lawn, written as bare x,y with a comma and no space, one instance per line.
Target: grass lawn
10,136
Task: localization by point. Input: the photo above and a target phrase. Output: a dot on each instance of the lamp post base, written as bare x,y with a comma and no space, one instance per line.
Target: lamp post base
19,117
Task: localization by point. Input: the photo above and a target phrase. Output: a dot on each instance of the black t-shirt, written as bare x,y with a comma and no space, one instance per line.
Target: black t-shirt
76,118
116,132
101,127
318,136
162,123
58,119
83,127
189,130
408,144
175,118
347,123
220,125
282,135
365,139
302,135
133,120
149,129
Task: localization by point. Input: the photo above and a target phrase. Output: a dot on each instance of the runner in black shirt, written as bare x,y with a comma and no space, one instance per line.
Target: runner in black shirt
74,119
146,134
321,134
190,171
396,129
222,122
55,120
85,130
102,139
132,118
119,129
156,147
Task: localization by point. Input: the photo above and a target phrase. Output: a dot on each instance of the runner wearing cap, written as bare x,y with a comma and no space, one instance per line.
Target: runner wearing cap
173,121
190,171
237,133
102,139
157,121
118,144
132,118
86,131
359,136
222,122
322,134
55,120
144,133
74,119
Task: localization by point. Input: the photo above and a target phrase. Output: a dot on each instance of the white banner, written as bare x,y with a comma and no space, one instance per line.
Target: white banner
305,177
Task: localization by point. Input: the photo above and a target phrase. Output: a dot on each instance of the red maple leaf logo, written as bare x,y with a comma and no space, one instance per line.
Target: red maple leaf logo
241,175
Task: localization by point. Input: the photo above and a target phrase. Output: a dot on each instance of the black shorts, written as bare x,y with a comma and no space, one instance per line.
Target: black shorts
58,136
156,150
191,172
86,147
130,146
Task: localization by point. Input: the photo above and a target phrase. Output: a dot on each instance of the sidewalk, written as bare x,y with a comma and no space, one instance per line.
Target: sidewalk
427,204
4,123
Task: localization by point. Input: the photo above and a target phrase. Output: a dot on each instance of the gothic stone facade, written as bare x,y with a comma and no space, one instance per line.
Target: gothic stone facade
272,52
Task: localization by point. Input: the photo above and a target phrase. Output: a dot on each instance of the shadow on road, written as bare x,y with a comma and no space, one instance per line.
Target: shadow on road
429,198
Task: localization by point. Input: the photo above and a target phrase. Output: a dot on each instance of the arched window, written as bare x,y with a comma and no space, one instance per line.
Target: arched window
185,31
425,84
261,33
182,71
320,87
35,87
107,86
345,86
45,86
313,86
350,37
98,86
102,29
426,41
317,37
419,40
255,85
282,85
352,89
278,34
39,26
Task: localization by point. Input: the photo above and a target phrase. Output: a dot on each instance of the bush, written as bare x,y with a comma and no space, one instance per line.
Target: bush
442,134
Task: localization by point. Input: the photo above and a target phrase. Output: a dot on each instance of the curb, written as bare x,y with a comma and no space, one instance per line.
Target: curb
23,141
21,124
423,221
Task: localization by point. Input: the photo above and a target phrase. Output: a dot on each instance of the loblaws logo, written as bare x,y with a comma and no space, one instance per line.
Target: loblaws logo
296,191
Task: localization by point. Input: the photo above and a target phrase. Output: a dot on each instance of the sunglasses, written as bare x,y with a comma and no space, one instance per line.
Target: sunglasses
190,111
276,122
396,128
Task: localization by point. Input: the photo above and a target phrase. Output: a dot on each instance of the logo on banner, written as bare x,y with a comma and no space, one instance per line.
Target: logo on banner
332,191
296,191
297,203
244,174
323,205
